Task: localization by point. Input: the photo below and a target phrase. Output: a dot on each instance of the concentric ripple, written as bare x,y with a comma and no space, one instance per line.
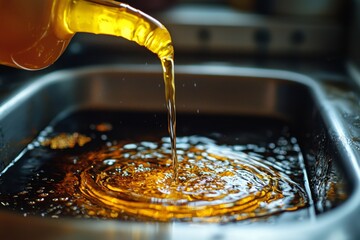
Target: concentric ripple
216,183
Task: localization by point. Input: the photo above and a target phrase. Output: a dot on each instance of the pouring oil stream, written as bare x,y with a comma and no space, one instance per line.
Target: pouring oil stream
122,20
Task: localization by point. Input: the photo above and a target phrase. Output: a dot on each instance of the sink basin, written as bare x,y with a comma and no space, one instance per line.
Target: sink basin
326,137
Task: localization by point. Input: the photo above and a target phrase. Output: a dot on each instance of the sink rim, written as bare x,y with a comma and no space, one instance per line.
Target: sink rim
335,219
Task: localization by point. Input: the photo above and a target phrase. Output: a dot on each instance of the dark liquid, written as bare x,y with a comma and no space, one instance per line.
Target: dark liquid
229,169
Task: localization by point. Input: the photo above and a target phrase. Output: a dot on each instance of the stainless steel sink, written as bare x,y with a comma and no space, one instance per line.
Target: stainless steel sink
324,119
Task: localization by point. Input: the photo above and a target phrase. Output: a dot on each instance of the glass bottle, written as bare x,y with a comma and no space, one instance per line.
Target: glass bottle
34,33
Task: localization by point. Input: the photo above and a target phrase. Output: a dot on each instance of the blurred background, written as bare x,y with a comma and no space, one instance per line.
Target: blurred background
313,37
319,37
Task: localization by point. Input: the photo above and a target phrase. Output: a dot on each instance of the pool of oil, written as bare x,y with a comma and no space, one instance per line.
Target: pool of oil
117,165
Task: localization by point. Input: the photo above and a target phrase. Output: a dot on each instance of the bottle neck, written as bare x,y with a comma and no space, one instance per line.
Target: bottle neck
112,18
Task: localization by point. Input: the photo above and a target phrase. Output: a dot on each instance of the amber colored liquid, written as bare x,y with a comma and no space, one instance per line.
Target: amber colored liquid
216,183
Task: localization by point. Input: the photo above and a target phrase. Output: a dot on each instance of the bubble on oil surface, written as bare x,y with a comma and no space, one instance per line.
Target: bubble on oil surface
216,182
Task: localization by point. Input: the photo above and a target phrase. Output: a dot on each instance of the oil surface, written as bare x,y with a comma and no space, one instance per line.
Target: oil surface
229,169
